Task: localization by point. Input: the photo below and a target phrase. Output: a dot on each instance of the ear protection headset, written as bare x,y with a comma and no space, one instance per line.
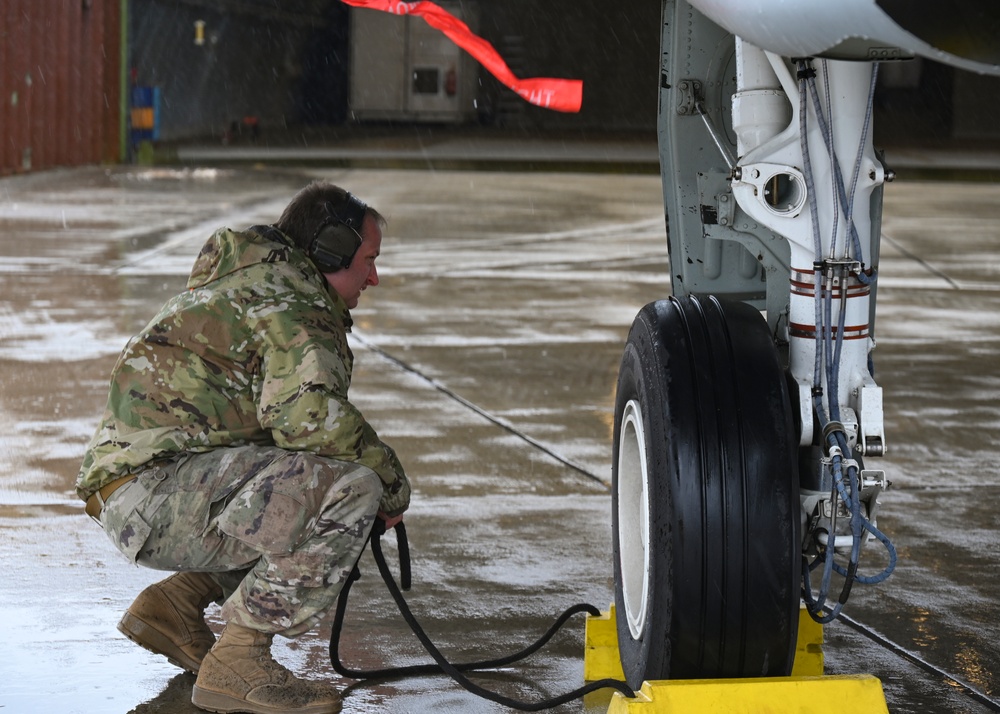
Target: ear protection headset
339,236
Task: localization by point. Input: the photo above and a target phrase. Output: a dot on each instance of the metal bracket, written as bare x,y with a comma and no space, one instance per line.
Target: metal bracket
690,94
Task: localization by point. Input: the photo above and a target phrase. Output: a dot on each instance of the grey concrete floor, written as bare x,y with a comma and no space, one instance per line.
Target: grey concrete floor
514,291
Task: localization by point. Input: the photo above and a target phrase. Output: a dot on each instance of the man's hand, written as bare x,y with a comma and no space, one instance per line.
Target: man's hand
390,521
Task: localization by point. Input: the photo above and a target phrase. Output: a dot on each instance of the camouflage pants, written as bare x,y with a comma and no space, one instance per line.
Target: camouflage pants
279,530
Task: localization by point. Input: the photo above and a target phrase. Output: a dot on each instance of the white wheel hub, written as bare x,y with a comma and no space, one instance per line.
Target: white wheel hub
633,517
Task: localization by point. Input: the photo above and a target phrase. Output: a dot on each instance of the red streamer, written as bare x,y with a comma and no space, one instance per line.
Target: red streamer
562,95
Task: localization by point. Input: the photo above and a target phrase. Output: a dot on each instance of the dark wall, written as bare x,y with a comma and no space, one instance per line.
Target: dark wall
283,64
614,49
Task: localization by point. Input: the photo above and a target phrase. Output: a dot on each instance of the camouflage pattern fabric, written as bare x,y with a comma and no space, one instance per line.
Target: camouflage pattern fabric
254,353
279,530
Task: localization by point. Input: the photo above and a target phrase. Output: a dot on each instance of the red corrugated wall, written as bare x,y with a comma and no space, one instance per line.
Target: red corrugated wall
60,77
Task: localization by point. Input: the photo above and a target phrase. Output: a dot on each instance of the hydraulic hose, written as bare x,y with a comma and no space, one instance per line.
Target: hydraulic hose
829,343
441,664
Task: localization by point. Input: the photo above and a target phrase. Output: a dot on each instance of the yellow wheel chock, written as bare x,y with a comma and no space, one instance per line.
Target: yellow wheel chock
806,690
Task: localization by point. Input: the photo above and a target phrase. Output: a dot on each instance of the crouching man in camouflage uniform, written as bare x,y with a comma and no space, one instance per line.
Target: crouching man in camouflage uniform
230,453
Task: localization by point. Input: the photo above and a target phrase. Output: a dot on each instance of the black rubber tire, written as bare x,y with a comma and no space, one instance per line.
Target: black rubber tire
705,510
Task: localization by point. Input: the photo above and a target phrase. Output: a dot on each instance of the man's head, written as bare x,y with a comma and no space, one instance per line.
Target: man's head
340,234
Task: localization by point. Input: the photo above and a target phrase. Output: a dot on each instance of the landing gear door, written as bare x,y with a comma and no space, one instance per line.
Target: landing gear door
714,248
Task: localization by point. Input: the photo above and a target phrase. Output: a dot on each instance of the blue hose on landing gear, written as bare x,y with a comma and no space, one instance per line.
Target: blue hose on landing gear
816,604
835,442
442,666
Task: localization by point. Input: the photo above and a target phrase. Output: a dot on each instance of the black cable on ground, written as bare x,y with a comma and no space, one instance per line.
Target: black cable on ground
442,665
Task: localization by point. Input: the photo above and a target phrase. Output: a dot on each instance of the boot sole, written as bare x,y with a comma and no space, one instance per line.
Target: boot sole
149,638
228,704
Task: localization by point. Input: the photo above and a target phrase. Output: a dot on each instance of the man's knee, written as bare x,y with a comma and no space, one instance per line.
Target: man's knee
352,503
344,480
369,488
299,495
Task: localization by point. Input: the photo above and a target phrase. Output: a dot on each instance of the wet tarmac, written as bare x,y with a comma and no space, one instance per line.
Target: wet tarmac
511,292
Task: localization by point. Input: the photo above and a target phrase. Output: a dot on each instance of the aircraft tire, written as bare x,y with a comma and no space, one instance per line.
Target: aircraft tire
705,511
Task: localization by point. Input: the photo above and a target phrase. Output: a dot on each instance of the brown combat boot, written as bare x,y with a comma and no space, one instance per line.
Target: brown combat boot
168,618
239,675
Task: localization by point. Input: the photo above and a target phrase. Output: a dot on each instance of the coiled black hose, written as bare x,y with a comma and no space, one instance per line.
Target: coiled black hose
442,666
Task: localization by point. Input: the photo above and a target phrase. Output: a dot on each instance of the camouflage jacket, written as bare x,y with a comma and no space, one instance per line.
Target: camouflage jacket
255,351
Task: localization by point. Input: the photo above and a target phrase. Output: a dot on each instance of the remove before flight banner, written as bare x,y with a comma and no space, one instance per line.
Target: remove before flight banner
562,95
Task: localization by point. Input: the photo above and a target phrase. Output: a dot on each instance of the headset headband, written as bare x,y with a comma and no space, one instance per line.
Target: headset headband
351,214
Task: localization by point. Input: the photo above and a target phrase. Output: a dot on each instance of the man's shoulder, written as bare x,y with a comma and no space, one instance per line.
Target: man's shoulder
281,278
252,254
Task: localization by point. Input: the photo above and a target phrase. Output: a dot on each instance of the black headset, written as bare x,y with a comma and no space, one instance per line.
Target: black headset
339,236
